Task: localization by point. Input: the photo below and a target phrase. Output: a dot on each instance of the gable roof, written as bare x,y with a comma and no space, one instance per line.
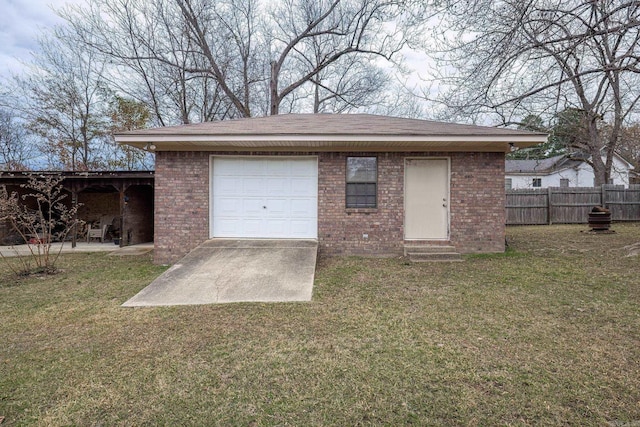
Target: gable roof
329,132
551,164
541,166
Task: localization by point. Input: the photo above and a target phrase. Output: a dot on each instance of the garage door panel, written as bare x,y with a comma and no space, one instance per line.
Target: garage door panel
253,167
276,227
306,167
228,226
252,186
303,187
301,228
226,206
303,208
277,186
276,168
251,226
277,207
228,185
229,167
251,208
264,197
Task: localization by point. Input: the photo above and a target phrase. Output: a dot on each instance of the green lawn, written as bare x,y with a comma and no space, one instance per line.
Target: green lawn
546,334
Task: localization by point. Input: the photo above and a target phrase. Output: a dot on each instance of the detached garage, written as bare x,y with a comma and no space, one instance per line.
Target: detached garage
358,184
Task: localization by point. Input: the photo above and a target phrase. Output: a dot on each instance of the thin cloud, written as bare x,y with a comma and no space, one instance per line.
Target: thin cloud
21,21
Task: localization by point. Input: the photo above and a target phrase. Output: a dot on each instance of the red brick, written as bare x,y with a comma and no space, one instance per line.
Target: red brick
477,212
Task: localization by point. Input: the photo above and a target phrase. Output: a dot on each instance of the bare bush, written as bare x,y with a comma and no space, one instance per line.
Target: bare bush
40,217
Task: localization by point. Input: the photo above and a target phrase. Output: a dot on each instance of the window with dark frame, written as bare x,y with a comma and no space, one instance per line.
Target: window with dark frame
362,182
537,182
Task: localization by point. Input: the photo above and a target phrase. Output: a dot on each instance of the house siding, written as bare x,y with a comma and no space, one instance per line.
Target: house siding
580,176
477,204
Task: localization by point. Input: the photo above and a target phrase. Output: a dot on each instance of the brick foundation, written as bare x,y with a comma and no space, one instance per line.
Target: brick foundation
477,212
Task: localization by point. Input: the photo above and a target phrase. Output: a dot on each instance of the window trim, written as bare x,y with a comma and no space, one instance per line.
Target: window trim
353,207
538,181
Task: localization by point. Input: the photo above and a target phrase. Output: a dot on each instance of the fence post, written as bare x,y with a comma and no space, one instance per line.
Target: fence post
549,220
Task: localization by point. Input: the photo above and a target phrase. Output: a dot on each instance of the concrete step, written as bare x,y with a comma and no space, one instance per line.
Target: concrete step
434,257
432,253
428,249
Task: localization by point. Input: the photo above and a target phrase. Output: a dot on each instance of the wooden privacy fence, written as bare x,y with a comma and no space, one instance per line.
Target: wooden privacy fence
571,205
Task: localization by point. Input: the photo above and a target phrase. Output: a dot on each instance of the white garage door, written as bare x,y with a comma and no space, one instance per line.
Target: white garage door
265,197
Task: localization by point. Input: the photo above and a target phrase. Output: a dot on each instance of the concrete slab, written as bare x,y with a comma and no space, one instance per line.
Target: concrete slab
133,250
231,270
81,247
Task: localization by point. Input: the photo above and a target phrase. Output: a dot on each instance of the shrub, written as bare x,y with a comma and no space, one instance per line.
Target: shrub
39,217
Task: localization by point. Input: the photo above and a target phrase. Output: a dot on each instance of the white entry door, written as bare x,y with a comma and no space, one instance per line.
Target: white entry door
264,197
426,199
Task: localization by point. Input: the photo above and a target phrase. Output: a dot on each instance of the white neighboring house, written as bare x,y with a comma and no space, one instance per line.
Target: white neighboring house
561,171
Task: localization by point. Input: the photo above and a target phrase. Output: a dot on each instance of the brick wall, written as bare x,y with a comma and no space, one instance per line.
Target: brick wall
476,204
138,219
181,220
340,230
95,205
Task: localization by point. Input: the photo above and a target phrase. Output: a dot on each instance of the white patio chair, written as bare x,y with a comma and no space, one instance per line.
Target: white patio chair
97,233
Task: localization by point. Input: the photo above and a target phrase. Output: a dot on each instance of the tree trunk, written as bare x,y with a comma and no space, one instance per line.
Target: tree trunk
273,89
599,170
316,99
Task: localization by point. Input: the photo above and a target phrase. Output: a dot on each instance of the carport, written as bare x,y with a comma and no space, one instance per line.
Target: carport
123,197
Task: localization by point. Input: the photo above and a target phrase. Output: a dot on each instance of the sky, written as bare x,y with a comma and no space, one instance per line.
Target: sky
21,21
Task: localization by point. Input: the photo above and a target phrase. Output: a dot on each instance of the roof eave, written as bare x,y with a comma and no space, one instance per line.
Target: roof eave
537,172
495,143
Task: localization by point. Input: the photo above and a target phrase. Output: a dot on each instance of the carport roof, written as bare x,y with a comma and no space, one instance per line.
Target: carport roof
330,132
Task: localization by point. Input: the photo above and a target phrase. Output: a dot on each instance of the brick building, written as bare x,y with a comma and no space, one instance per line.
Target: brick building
359,184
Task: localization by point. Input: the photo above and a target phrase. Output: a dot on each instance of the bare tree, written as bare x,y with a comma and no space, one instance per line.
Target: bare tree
511,58
314,36
62,103
197,60
630,144
126,115
16,150
148,41
40,216
351,82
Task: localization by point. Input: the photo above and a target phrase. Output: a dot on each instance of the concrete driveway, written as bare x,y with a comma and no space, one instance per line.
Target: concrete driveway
230,270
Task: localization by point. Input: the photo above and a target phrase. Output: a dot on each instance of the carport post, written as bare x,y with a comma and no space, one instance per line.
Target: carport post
123,204
74,203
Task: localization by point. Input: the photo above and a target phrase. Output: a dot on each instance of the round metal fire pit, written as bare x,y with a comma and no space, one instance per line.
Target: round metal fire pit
599,219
